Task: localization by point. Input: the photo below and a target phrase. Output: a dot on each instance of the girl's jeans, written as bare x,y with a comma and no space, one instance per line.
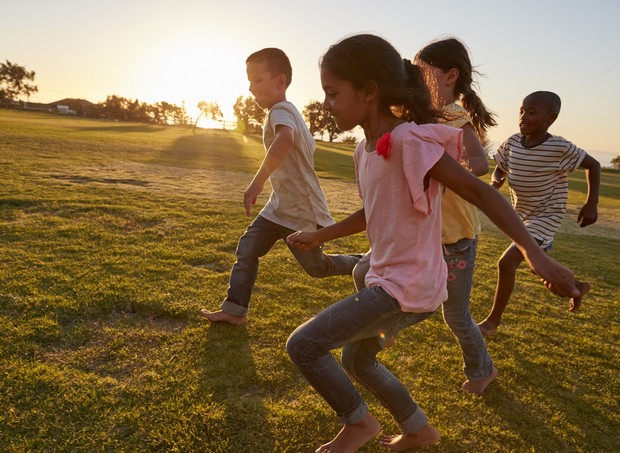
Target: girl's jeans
460,258
357,323
257,240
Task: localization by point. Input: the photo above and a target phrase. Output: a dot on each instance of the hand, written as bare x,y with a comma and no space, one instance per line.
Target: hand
588,215
302,240
497,183
250,195
557,278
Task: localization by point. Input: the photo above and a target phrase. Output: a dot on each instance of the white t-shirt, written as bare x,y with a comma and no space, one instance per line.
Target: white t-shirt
538,181
403,217
297,200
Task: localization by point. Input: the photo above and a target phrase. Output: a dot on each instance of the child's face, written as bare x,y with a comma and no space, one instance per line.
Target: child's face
268,89
535,117
342,101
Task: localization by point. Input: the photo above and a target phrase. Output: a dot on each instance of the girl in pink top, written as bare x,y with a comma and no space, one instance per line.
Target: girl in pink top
399,168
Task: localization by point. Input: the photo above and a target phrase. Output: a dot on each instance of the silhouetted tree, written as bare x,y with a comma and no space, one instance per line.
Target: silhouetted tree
209,110
320,121
14,82
249,115
615,163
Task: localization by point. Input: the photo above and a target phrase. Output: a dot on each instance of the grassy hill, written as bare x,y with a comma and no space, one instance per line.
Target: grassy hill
114,235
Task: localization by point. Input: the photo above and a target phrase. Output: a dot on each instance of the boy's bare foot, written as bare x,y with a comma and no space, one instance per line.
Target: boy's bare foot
480,385
222,316
487,327
575,302
428,435
352,437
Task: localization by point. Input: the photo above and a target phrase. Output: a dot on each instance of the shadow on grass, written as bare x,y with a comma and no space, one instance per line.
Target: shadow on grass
538,427
123,129
233,384
214,150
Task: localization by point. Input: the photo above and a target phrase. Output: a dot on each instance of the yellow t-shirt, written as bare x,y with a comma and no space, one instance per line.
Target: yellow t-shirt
459,218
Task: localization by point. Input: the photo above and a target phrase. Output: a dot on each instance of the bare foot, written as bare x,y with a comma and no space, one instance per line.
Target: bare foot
575,302
352,437
428,435
222,316
487,327
480,385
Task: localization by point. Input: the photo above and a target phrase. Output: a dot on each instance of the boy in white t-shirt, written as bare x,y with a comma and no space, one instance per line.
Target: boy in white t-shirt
297,201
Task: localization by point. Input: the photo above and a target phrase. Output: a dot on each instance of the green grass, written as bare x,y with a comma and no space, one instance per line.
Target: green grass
114,235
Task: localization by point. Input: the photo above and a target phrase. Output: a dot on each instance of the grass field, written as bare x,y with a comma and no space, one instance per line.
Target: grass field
114,235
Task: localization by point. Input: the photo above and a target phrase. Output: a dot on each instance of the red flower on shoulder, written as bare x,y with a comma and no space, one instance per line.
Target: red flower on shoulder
384,145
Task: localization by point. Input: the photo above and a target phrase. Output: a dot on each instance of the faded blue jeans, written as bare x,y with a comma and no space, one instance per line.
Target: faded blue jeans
257,240
460,258
357,324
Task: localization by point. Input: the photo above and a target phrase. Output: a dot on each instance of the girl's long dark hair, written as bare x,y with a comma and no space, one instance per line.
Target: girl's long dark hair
365,58
451,53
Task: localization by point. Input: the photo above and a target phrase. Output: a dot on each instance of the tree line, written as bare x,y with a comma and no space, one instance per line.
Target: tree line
17,82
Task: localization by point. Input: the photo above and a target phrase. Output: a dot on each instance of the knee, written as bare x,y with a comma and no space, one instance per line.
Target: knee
299,347
359,275
507,264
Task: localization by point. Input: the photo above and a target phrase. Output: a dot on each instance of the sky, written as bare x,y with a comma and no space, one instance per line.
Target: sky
192,50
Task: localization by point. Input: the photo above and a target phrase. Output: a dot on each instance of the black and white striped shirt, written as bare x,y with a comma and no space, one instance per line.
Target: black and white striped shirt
538,181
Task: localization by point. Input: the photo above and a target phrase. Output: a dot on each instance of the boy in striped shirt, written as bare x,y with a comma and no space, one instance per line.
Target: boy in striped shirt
536,165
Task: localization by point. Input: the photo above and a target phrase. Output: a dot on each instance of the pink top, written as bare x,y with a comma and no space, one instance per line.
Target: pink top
403,214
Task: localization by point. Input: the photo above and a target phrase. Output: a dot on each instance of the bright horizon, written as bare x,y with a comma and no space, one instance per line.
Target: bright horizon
191,50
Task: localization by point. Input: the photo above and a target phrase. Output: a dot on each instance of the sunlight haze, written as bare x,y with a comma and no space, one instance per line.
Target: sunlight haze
187,51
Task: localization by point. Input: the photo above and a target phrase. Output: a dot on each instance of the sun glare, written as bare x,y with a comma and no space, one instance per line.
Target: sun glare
194,70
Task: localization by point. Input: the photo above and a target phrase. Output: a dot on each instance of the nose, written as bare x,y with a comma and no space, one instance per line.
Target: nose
325,105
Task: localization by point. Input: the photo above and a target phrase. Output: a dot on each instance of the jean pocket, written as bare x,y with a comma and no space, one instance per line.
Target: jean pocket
458,248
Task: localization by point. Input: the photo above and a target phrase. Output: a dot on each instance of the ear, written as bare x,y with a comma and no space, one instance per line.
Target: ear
370,90
281,80
452,76
552,118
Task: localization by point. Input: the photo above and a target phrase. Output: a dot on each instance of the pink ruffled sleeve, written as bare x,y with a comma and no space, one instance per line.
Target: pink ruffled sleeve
422,147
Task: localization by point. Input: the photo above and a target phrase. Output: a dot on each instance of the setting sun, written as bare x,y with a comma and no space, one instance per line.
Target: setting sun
193,69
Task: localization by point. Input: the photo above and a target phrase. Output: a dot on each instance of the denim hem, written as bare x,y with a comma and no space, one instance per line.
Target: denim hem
233,309
481,374
355,415
415,422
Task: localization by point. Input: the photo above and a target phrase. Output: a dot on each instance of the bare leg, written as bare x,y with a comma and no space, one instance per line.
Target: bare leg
479,386
352,437
428,435
506,269
222,316
575,302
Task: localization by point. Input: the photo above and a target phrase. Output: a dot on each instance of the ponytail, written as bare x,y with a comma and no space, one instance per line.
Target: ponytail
481,118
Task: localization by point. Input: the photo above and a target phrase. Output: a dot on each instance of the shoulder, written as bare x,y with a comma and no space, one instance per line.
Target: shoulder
457,115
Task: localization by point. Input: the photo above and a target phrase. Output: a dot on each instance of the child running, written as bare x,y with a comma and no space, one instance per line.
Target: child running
297,201
400,166
536,165
448,74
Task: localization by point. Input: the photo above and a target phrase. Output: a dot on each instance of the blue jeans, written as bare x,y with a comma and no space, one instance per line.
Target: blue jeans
460,258
257,240
357,324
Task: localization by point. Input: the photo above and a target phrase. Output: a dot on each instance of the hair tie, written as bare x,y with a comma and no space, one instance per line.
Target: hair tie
407,63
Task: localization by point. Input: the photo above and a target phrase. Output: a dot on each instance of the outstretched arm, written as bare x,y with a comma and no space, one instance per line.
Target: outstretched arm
276,153
474,157
304,240
589,213
447,171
